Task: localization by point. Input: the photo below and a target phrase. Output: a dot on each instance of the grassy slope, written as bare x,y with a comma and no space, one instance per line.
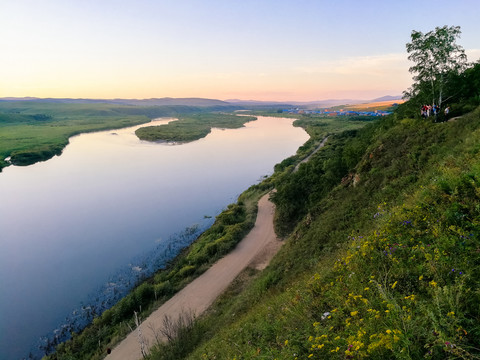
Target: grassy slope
385,268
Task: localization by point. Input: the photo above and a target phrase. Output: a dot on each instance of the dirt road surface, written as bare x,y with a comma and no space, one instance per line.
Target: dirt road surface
322,144
256,249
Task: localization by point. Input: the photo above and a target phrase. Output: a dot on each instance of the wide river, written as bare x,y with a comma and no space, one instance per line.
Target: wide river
83,226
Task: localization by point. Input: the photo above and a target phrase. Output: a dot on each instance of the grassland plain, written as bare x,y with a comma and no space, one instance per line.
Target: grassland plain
385,265
32,131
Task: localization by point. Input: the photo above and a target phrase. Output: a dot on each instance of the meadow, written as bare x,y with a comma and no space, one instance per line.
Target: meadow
32,131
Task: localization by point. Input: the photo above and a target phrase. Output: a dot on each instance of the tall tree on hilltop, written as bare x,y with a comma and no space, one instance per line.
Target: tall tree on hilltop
437,57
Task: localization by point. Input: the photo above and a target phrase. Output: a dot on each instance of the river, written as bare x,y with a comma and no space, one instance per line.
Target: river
110,209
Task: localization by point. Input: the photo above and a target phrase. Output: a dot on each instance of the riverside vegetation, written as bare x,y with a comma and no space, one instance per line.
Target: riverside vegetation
191,127
32,131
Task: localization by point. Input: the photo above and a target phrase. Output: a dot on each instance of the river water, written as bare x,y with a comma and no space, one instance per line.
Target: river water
84,225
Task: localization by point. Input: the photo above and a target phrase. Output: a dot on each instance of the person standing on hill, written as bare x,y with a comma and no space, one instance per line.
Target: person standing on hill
435,112
446,111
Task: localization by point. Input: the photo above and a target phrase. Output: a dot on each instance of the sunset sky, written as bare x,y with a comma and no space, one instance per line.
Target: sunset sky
248,49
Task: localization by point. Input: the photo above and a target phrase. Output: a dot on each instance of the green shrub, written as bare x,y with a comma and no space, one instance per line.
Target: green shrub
163,289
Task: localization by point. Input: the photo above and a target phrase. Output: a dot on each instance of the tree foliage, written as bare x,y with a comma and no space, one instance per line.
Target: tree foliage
437,58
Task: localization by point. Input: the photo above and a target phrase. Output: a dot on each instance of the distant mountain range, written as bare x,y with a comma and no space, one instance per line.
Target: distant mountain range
143,102
311,104
200,102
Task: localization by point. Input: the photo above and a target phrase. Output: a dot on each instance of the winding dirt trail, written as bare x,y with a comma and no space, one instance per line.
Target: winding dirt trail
322,144
256,249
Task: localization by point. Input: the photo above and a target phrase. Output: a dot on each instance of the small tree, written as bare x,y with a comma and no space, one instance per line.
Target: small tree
436,56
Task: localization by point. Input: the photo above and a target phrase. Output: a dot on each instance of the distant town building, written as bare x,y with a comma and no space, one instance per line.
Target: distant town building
337,112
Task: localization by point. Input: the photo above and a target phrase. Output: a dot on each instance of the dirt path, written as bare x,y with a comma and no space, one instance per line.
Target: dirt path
322,144
257,249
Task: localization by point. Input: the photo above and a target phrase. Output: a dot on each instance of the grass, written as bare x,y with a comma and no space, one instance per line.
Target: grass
191,127
318,126
379,105
34,131
29,142
31,132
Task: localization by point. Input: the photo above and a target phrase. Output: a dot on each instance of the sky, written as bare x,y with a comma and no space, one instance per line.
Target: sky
298,50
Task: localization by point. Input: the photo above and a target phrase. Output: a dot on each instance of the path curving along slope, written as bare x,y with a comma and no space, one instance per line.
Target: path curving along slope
197,296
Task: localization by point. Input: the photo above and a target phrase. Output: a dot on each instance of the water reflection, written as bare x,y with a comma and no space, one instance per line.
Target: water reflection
71,222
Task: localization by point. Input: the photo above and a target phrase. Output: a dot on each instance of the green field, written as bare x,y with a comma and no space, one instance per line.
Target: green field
33,131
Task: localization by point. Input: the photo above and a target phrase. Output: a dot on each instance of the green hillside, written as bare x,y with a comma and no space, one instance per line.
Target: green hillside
381,256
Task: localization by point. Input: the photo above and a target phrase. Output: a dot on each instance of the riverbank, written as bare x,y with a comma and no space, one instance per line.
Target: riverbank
115,324
192,127
34,131
256,249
